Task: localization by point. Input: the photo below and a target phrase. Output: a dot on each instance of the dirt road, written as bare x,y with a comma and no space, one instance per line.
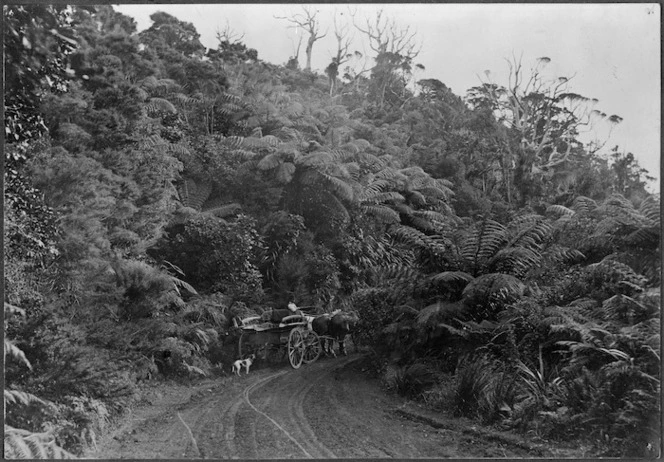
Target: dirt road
327,409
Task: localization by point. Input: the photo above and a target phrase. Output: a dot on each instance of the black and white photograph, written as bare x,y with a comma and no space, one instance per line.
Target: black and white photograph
332,230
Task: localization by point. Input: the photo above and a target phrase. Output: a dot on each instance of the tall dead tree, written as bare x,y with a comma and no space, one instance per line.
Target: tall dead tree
309,22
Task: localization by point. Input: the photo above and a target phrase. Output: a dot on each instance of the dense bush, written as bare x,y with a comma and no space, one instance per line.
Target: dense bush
216,256
155,190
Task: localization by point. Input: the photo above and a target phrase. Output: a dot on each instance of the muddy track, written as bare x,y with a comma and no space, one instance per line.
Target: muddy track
328,409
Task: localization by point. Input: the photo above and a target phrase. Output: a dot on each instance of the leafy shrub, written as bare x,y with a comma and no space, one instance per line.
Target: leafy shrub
19,443
485,388
411,380
216,256
375,308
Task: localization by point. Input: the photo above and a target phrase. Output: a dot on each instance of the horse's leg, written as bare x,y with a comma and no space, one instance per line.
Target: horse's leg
342,348
330,346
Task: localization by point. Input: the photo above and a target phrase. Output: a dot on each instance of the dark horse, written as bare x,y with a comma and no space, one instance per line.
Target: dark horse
334,326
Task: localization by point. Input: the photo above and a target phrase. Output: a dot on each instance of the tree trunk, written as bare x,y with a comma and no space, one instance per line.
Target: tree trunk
310,46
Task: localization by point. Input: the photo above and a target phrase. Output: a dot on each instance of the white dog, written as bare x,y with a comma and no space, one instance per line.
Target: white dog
237,365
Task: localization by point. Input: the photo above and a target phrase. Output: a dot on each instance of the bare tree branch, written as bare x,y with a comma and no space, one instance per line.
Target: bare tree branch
309,22
228,35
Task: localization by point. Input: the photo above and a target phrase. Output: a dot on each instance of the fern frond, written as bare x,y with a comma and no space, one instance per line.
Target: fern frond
451,276
23,444
271,140
16,353
353,169
288,134
223,211
270,161
382,212
492,287
582,204
402,208
431,215
423,224
315,159
651,209
194,193
374,188
230,142
370,161
559,254
438,192
515,260
559,210
432,315
645,237
340,187
527,231
381,197
155,105
340,155
417,198
483,243
243,154
179,283
389,173
184,100
177,148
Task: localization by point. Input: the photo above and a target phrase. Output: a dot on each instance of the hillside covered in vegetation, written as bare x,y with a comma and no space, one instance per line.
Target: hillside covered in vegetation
156,189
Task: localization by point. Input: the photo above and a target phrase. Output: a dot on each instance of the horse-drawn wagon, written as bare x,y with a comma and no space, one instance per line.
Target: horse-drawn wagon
292,333
301,336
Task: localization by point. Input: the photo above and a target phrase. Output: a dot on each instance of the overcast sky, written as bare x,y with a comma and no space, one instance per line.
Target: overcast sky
613,50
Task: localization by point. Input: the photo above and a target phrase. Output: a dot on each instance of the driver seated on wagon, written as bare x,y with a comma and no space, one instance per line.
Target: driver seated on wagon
277,315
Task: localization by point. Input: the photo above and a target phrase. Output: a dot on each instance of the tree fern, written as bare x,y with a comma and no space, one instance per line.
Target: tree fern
482,243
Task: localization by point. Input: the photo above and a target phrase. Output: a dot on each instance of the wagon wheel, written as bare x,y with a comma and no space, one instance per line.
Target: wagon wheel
296,347
312,347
